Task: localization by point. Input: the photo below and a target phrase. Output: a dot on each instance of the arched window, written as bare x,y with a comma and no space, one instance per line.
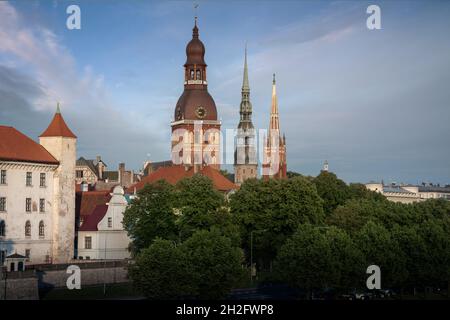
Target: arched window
199,77
192,74
27,229
2,228
41,229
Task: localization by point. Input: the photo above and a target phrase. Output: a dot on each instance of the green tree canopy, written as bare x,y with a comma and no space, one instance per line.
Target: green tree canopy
151,215
162,271
216,263
273,210
332,190
319,257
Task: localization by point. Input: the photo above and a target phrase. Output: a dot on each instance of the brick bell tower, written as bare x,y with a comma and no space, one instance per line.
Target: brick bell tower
195,128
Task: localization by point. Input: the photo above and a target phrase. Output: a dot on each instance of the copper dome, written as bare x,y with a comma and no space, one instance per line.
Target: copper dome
189,103
195,50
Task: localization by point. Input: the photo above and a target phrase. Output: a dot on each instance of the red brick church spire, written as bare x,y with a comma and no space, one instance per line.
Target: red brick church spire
274,165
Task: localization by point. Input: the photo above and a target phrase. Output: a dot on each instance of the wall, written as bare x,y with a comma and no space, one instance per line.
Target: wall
92,273
16,216
64,150
19,286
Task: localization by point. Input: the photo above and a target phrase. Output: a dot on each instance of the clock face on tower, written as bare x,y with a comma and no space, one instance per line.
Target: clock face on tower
200,112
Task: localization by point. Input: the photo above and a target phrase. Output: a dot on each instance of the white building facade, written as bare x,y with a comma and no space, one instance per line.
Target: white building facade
102,236
37,194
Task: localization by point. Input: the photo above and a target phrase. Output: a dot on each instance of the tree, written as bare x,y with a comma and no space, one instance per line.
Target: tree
201,206
318,257
216,264
273,210
380,249
332,190
151,215
162,271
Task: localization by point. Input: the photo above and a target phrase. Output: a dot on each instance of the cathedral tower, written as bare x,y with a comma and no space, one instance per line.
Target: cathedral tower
60,141
245,163
274,164
195,128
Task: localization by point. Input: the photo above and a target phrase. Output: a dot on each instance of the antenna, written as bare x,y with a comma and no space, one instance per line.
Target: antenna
196,11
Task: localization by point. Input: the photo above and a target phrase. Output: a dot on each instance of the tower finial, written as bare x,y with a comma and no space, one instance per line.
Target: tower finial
273,81
58,110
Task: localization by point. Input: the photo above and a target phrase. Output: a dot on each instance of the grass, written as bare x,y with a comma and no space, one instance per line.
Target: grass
113,291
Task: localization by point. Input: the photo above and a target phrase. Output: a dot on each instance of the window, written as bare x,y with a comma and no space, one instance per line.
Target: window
198,75
41,229
2,256
110,222
29,179
27,229
3,177
192,74
28,253
41,205
2,204
87,243
79,173
42,180
2,228
28,204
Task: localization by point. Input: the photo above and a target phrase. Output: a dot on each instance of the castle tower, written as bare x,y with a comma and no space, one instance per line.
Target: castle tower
196,129
274,162
245,163
60,141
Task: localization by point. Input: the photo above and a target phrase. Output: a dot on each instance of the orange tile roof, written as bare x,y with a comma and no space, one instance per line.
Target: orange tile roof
58,128
92,220
15,146
175,173
86,202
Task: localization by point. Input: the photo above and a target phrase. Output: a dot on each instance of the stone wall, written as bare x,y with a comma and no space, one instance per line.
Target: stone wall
19,286
91,274
26,285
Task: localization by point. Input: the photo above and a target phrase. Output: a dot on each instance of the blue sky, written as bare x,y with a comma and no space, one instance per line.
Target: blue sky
374,103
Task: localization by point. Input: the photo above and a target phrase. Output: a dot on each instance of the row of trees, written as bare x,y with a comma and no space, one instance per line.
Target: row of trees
312,232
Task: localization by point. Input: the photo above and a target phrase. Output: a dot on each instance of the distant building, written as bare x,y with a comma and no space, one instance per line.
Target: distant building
245,161
274,165
173,174
94,173
405,193
89,171
101,234
37,193
150,167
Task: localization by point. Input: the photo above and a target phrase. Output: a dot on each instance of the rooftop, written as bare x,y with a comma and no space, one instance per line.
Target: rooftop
15,146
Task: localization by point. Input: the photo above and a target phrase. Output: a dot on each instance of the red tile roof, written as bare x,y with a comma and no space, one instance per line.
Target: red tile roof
86,202
15,146
58,128
175,173
92,220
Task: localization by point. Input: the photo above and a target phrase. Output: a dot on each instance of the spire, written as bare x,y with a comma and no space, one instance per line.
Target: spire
246,106
195,30
245,84
274,120
58,127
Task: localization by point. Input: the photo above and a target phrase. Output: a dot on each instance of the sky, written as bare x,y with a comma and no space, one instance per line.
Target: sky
374,103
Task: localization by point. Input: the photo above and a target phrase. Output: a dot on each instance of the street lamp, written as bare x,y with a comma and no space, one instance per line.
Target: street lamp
251,252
